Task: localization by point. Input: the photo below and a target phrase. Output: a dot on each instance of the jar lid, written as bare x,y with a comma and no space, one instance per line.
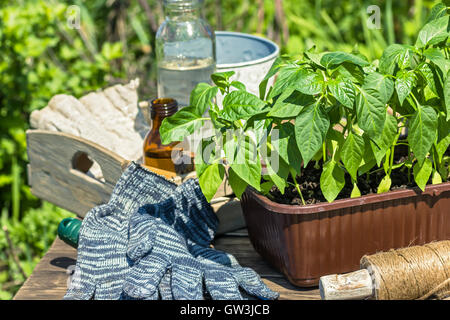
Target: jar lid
182,4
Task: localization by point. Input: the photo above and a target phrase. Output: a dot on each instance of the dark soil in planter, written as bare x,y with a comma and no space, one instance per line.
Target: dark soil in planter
309,182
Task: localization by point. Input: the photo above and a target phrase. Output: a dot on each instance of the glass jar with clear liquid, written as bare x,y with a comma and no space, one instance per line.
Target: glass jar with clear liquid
185,50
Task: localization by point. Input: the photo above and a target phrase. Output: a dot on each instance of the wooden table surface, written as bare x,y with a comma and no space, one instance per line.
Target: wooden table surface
49,278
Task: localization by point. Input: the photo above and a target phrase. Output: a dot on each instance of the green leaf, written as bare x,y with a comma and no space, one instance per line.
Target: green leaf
447,95
258,128
436,177
211,179
438,11
443,140
371,103
444,170
335,113
309,83
343,90
335,141
180,125
205,155
422,173
222,75
380,144
238,85
272,71
311,126
379,86
385,185
352,153
222,79
436,57
395,55
241,105
332,180
247,164
355,191
284,143
422,131
299,78
336,58
289,104
315,57
237,184
433,32
429,76
230,146
287,76
266,186
216,121
201,97
368,160
279,173
350,71
404,83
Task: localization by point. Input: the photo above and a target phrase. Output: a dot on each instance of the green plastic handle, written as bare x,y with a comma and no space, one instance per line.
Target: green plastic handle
68,231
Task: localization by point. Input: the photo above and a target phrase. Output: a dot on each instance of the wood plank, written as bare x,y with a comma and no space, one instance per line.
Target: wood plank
53,177
49,278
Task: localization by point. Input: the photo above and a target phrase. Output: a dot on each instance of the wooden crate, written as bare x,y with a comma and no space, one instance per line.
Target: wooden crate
59,172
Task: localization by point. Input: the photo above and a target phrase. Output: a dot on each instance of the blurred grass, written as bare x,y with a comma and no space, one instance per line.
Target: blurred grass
42,56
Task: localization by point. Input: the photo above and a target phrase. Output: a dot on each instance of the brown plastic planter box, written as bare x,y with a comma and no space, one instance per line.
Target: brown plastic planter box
307,242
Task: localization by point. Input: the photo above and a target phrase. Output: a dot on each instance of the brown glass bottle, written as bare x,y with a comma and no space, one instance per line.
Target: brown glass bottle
157,154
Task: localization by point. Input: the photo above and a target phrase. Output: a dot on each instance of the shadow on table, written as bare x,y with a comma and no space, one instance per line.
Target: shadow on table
63,262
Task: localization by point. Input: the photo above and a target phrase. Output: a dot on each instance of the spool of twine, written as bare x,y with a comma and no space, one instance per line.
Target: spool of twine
417,272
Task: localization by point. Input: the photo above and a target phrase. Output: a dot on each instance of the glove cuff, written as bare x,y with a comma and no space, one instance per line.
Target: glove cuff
138,186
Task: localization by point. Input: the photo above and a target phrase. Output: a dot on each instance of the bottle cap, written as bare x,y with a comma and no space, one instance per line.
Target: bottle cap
164,107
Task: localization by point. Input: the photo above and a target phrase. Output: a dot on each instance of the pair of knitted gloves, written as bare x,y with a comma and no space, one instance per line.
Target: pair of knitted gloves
152,241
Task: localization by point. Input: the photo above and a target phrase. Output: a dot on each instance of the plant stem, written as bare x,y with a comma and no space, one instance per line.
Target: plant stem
391,160
374,171
391,163
324,147
409,168
271,197
349,122
415,99
436,163
298,188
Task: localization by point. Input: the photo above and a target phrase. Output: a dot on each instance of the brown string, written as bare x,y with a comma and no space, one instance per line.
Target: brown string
417,272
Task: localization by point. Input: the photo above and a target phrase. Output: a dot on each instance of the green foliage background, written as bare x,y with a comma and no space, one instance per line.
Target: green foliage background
40,56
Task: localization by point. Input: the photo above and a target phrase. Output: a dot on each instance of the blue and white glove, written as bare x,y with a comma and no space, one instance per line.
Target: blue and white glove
188,211
162,266
224,277
103,239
